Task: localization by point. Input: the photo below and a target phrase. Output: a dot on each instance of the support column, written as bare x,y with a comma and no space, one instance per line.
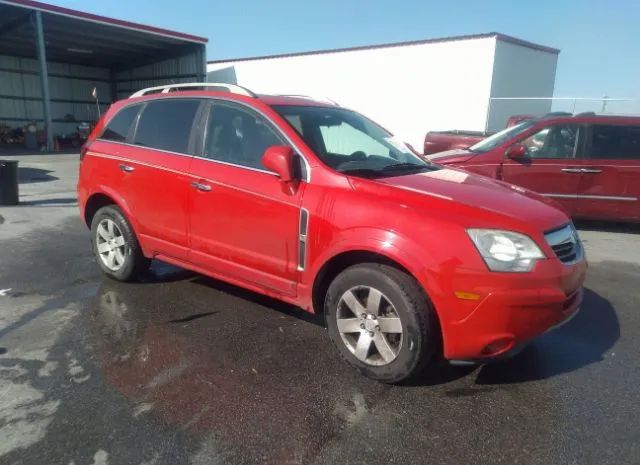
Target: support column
113,85
202,59
44,78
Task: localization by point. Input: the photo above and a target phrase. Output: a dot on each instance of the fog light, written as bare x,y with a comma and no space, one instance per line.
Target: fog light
498,346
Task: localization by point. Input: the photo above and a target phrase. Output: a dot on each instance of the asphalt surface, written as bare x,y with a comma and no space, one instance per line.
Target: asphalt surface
182,369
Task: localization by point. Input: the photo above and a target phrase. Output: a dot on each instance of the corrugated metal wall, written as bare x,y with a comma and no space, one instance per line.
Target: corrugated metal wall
187,68
70,88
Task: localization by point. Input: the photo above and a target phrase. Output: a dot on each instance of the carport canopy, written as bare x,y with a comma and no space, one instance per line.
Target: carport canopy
55,34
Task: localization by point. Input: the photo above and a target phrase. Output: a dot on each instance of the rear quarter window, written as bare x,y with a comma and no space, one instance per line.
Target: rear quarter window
166,124
615,142
119,126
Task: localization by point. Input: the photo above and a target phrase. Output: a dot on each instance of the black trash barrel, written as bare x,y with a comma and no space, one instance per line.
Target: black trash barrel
8,182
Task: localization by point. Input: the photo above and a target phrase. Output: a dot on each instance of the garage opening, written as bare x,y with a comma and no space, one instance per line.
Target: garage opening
61,68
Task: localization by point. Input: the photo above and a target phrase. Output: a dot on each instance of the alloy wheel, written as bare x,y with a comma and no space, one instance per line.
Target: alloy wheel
369,325
111,245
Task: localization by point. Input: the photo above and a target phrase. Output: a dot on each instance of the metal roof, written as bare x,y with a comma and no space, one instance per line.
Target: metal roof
82,38
496,35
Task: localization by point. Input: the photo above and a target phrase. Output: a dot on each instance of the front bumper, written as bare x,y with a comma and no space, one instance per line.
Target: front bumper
507,317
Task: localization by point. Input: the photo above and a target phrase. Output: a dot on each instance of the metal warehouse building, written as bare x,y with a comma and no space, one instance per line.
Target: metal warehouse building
412,87
51,58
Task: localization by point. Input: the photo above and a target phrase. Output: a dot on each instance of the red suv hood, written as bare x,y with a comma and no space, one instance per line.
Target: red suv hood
483,193
450,156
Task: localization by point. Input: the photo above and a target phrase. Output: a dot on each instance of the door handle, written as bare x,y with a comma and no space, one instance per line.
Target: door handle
591,170
571,170
126,168
201,187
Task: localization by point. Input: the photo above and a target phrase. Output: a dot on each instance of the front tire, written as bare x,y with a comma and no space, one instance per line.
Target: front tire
115,245
381,322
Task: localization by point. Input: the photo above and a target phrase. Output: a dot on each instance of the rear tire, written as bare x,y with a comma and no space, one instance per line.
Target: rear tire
381,322
115,245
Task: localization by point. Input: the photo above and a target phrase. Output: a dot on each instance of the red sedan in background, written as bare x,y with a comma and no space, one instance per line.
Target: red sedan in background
588,163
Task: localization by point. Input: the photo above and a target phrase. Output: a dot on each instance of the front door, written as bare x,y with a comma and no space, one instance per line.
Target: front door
610,186
243,221
552,166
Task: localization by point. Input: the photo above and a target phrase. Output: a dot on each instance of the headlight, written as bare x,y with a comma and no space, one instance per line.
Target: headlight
505,250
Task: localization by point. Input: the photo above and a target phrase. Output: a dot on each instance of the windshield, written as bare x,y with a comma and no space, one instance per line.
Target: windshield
501,137
350,143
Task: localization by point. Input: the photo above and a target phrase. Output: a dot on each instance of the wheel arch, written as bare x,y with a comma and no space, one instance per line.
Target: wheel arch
341,261
102,198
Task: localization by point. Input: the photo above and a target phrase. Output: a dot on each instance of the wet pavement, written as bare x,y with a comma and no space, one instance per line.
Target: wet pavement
183,369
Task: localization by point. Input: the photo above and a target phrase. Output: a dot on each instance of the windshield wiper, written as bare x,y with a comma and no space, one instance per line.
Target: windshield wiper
367,172
404,166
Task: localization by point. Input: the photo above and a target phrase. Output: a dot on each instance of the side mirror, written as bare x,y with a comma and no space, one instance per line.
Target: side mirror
517,152
279,159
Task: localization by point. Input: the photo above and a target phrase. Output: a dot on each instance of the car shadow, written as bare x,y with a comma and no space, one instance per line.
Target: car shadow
607,226
29,175
260,299
161,272
165,273
582,341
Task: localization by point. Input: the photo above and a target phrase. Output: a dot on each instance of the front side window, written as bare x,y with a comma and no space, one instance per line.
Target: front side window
501,137
552,142
350,143
166,124
238,136
119,126
615,142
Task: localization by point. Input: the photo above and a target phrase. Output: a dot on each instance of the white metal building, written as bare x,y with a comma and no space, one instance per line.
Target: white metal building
412,87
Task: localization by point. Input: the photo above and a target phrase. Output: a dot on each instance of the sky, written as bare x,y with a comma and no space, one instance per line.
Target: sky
599,40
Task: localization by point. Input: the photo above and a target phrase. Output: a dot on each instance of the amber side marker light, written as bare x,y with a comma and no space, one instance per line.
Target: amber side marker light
467,295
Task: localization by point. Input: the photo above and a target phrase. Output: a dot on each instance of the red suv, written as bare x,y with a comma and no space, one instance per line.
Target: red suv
589,163
318,206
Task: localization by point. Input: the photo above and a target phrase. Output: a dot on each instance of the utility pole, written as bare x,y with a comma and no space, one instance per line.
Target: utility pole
604,103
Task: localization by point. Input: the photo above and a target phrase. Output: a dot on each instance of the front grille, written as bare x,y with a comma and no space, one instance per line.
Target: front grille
565,243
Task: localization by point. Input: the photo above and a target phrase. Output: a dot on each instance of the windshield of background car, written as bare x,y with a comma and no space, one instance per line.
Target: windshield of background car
501,137
350,143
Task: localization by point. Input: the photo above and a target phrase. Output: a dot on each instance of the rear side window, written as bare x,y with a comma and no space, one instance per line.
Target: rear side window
166,124
611,142
119,126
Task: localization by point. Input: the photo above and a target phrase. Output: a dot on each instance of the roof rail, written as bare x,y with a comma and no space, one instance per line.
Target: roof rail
319,99
165,89
587,113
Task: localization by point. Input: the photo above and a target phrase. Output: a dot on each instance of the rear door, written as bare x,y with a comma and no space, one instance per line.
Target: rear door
157,169
610,185
244,223
553,166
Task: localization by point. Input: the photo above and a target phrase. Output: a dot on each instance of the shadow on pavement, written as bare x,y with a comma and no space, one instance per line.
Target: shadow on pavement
54,202
582,341
607,226
32,175
254,297
161,272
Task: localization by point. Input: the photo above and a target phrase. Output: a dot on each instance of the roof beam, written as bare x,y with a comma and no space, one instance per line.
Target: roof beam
169,54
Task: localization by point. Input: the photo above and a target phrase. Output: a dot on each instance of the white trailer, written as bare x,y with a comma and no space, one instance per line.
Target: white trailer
412,87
